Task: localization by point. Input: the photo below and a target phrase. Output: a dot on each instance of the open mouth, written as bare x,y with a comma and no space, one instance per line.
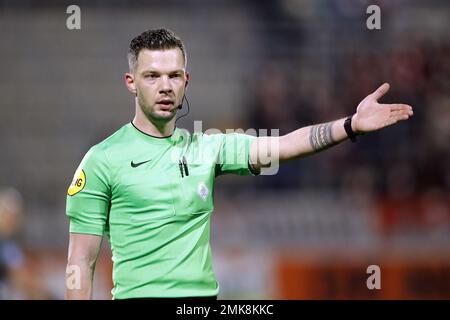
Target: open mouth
165,105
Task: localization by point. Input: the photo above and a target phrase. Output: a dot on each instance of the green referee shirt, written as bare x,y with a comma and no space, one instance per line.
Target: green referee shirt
155,212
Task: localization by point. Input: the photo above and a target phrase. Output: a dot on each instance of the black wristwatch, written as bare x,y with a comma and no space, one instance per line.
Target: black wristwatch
348,129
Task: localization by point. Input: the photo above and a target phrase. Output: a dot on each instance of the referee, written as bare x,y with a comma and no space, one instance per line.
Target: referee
149,187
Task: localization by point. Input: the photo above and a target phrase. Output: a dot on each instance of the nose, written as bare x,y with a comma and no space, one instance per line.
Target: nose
166,86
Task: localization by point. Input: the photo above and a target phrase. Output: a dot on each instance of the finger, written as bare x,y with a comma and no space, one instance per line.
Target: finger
404,112
399,117
398,113
381,91
401,107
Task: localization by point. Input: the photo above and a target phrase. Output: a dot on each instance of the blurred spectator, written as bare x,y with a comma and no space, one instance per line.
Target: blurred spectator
16,280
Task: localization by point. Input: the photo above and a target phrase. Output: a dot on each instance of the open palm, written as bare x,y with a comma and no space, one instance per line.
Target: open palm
371,115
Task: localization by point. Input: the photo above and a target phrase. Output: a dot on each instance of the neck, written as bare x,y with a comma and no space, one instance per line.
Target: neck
154,128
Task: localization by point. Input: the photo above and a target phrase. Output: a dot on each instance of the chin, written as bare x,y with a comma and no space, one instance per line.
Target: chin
163,115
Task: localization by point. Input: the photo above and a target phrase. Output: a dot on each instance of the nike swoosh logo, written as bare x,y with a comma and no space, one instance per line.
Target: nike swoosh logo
135,165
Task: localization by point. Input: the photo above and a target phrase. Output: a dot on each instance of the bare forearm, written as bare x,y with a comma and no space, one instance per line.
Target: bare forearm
79,280
82,257
311,139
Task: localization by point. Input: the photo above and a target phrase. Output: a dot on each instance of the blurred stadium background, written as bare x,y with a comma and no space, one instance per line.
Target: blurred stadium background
308,233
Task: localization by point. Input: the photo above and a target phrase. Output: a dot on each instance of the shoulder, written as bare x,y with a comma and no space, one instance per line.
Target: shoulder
115,143
206,141
218,139
229,137
208,137
197,137
115,140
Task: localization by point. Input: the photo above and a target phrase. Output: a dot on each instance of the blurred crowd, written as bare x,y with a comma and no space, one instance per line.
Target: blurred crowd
404,168
18,280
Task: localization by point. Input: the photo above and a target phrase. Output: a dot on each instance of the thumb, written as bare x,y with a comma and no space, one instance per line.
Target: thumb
381,91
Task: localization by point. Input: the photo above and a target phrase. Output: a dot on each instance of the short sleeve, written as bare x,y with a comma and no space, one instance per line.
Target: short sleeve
234,154
89,195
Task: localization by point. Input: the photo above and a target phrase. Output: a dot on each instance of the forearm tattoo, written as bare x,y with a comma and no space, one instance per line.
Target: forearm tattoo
320,136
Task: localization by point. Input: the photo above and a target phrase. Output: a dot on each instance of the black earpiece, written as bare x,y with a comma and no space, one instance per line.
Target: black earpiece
181,105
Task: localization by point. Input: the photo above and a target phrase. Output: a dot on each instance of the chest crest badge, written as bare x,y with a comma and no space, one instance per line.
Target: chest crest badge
202,191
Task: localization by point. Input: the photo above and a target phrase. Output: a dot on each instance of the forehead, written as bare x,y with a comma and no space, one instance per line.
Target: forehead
160,60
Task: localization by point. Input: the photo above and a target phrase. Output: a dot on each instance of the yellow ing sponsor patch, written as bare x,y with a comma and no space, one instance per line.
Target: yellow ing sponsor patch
77,184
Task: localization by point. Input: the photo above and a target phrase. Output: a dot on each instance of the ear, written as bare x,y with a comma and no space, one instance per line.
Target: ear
129,82
187,79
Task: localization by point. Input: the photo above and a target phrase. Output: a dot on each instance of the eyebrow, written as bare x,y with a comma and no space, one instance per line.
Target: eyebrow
158,72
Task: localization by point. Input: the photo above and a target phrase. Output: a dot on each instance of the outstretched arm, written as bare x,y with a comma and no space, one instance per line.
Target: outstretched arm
370,116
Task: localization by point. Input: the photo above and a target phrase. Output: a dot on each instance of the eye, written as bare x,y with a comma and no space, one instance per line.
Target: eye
175,75
150,76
